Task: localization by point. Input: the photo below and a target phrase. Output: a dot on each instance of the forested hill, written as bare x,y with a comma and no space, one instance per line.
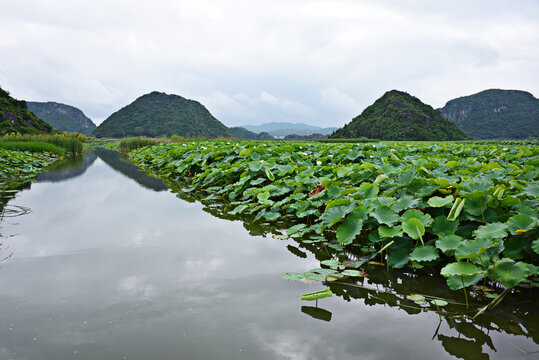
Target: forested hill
63,117
15,117
495,114
159,114
400,116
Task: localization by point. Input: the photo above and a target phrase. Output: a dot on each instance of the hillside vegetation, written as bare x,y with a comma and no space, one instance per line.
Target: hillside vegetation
495,114
400,116
63,117
159,114
16,118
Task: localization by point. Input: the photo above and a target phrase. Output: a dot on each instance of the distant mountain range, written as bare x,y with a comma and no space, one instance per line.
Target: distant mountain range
495,114
159,114
490,114
63,117
15,117
282,129
399,116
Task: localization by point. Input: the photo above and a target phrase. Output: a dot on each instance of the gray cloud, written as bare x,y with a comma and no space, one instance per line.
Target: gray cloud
320,62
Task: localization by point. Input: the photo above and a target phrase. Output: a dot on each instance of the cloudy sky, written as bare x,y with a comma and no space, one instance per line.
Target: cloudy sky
250,62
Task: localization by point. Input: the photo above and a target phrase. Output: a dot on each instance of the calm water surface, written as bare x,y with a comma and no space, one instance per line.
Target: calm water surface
109,264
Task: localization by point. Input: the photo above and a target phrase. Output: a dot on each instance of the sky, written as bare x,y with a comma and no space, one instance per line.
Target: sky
253,62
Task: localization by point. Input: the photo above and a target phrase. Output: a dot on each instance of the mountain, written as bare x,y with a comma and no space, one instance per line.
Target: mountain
62,117
281,129
400,116
15,117
495,114
159,114
242,133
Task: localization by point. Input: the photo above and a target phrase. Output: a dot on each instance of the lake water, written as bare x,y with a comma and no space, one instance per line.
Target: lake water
109,264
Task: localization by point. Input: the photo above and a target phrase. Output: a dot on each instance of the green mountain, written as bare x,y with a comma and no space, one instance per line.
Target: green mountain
495,114
62,117
400,116
242,133
15,117
158,114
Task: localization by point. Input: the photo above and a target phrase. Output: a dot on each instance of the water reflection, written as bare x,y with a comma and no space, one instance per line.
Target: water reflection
67,168
105,268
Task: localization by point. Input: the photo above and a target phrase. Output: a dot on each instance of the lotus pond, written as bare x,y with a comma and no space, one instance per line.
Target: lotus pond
108,263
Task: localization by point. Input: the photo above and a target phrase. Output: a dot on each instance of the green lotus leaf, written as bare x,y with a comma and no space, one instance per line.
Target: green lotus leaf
519,224
457,207
335,214
424,253
425,219
398,257
263,196
405,202
535,246
386,231
255,165
352,273
317,295
437,201
457,282
443,226
415,297
295,229
509,272
330,263
460,268
351,226
439,302
532,190
414,228
272,216
469,249
385,215
270,175
292,276
238,209
311,276
491,231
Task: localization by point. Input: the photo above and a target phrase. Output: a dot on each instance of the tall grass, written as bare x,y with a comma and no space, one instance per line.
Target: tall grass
70,143
128,144
32,146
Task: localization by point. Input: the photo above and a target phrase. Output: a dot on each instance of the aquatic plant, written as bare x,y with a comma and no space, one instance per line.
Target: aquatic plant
468,210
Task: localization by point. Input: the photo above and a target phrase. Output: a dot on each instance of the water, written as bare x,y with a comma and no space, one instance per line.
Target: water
109,264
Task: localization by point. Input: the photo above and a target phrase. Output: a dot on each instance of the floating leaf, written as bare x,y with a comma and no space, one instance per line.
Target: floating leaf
424,253
415,297
353,273
351,226
292,276
296,228
317,295
491,231
439,302
460,269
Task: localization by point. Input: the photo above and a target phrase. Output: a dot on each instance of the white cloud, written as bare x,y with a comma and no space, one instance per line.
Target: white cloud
269,60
